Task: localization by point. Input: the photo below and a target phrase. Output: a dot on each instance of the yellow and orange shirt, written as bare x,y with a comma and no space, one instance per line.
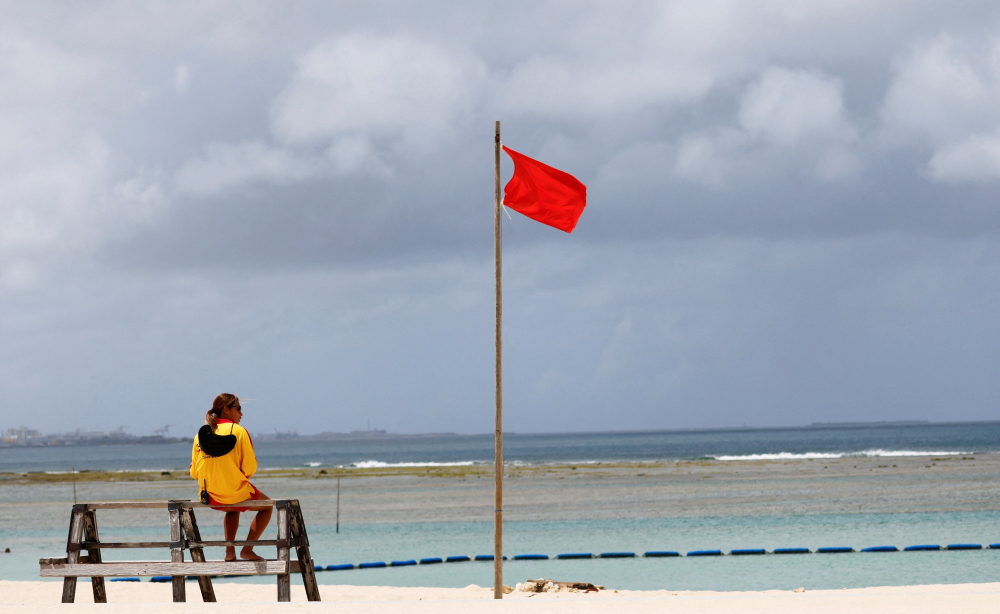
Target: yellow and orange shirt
227,478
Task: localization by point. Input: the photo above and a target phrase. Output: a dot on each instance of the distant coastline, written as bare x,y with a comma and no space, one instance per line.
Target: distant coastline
383,434
61,441
353,436
24,437
835,425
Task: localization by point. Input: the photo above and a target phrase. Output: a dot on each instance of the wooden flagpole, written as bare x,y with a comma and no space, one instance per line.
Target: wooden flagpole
498,432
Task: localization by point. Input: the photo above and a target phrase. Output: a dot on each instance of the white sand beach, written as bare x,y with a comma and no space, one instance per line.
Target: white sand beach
43,597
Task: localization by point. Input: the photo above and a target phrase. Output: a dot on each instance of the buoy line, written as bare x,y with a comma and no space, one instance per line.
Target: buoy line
463,558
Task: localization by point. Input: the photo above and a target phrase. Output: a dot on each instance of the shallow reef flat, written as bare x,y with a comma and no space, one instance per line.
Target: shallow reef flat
564,491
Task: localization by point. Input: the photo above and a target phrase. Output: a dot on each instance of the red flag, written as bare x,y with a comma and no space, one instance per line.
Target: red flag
543,193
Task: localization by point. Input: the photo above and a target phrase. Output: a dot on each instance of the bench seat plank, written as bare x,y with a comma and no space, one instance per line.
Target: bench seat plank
106,545
188,544
164,568
162,505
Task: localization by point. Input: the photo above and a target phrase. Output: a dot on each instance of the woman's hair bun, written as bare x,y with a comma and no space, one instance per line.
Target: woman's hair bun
221,402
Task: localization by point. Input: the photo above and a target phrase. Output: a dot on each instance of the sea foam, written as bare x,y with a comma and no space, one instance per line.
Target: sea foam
808,455
374,464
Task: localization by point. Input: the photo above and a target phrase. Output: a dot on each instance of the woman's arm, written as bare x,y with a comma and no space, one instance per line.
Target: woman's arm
248,459
195,452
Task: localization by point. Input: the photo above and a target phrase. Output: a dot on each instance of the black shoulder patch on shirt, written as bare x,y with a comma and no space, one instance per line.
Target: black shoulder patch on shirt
215,445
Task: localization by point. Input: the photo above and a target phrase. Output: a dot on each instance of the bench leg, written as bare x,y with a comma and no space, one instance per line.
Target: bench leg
284,580
69,590
306,565
73,550
190,526
90,533
176,549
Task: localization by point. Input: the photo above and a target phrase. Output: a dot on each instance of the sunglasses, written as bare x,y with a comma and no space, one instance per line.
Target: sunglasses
239,408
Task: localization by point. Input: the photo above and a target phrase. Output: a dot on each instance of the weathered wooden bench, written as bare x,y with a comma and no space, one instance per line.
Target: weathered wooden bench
184,535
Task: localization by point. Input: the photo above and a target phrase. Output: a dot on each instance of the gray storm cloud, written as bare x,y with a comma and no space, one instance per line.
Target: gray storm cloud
791,213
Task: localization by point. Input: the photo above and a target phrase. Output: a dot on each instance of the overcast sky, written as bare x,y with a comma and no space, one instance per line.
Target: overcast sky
793,213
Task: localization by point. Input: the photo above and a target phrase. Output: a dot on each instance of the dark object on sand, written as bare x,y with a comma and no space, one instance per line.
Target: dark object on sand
539,586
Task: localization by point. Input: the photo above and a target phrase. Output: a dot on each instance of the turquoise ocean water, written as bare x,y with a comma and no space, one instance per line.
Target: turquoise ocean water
386,542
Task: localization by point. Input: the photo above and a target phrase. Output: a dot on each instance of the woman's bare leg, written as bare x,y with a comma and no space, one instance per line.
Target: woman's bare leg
231,524
257,527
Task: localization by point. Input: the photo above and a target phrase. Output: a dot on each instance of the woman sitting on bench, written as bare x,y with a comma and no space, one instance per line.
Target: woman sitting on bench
222,460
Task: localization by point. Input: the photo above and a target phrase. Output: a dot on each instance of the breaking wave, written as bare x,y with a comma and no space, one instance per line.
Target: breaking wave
374,464
808,455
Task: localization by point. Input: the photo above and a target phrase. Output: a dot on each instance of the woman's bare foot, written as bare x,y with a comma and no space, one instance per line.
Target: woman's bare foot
247,554
230,555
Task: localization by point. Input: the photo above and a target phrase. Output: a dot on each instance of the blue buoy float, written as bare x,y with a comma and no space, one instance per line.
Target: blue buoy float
834,549
575,555
994,546
745,551
705,553
531,557
457,559
430,560
486,557
792,550
405,563
881,549
920,547
617,555
964,547
161,579
661,553
339,567
130,579
373,565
